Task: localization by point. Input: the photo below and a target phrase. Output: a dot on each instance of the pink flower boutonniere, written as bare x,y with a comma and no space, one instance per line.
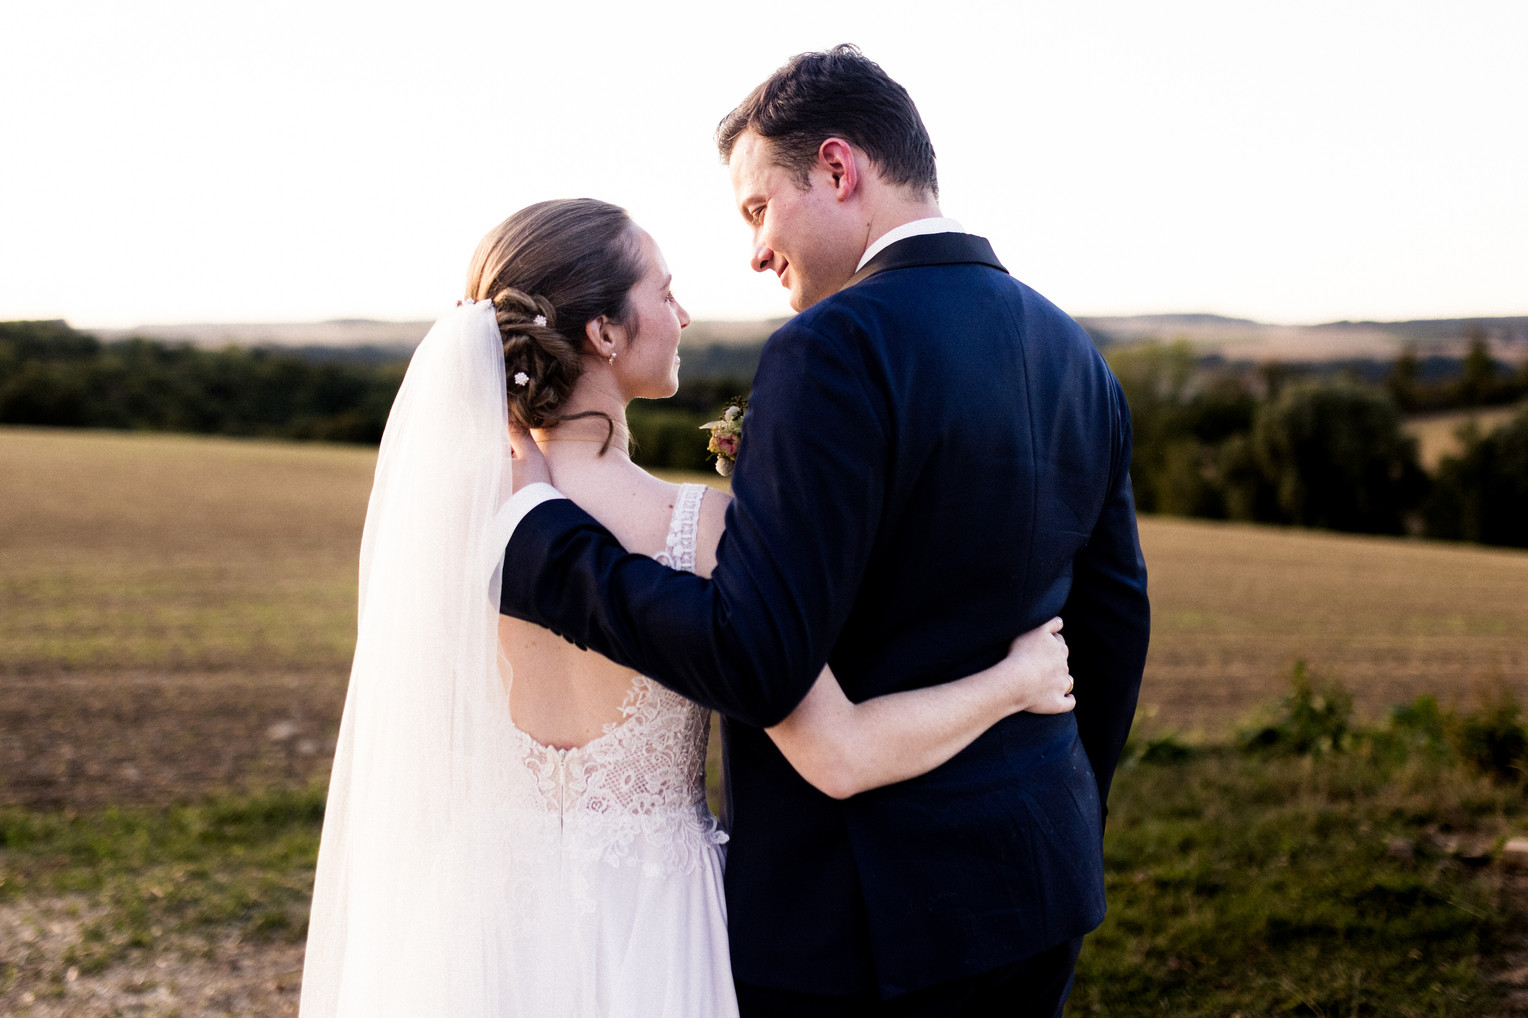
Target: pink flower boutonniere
726,435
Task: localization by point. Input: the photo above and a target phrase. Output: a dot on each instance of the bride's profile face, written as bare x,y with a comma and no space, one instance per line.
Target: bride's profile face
647,365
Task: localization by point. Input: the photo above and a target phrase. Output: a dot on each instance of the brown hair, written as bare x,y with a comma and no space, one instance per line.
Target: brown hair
838,93
569,261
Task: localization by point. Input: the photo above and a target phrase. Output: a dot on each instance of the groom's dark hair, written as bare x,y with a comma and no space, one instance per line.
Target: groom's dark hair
838,93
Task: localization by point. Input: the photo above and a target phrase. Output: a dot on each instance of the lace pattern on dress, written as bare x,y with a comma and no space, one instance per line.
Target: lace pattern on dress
635,794
684,529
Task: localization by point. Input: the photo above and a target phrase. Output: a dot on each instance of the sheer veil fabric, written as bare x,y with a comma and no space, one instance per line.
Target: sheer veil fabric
414,873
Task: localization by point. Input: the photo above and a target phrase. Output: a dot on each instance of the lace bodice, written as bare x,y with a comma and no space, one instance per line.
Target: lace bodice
644,775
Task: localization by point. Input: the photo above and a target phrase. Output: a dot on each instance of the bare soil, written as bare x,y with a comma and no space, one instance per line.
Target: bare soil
85,741
183,977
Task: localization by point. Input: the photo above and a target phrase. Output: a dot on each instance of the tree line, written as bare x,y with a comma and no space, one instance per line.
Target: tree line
1280,444
57,376
51,374
1269,443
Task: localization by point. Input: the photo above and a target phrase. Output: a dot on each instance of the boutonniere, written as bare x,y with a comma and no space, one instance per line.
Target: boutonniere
726,435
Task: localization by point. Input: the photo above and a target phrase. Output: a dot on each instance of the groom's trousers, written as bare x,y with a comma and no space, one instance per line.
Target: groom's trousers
1035,987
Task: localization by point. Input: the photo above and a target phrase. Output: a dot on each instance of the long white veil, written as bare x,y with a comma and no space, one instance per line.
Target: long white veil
406,903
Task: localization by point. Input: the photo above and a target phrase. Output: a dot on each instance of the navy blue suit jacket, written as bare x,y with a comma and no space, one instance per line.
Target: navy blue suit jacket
935,459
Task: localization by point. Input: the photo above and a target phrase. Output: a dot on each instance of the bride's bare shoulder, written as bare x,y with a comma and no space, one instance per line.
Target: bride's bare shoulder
713,520
713,509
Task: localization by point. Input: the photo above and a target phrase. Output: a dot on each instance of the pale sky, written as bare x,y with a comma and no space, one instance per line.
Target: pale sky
190,161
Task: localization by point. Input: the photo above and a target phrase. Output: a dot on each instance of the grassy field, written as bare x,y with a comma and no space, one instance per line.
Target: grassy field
1437,435
1235,606
176,620
1355,883
177,613
168,602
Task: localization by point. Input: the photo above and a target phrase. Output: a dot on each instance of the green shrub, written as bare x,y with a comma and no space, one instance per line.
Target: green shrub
1492,739
1311,721
1165,751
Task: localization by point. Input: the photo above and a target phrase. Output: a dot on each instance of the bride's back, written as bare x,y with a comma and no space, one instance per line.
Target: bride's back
562,696
575,284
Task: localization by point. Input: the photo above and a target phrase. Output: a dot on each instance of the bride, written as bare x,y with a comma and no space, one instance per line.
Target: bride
517,826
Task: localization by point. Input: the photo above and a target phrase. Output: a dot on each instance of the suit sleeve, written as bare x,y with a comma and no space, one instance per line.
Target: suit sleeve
752,639
1108,618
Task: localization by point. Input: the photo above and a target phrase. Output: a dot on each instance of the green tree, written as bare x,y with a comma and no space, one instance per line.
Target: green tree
1404,382
52,375
1482,493
1155,378
1477,378
1247,492
1336,457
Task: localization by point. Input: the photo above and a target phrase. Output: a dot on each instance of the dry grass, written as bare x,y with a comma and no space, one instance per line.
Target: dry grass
1437,435
177,614
1235,606
126,552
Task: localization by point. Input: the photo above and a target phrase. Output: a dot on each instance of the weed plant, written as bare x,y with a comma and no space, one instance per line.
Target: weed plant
1313,868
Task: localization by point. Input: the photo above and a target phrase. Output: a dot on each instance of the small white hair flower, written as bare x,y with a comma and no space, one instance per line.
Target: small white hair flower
521,378
539,319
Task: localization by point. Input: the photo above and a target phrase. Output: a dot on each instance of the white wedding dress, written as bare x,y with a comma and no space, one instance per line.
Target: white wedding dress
617,902
465,869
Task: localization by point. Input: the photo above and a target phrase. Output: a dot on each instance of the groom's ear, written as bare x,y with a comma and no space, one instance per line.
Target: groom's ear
837,158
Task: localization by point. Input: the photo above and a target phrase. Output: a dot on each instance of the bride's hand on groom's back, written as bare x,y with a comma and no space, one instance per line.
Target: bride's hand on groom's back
1036,672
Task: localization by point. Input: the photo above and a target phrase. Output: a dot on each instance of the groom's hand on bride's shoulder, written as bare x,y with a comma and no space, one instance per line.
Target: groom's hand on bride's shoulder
529,465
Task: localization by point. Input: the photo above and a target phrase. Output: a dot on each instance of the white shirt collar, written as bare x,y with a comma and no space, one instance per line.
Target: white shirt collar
916,228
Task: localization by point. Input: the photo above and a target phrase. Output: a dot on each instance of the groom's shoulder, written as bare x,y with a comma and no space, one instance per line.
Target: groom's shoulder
867,304
836,316
917,294
921,299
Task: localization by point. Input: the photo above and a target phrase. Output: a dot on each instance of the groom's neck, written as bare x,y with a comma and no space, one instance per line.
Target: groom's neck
898,206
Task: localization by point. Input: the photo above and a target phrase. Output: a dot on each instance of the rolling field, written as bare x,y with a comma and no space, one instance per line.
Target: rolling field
167,604
1437,435
1235,606
176,622
177,615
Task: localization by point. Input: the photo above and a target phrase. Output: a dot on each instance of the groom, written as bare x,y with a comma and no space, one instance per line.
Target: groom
935,460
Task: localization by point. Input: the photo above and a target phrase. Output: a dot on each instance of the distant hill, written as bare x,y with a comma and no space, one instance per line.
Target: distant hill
1240,339
402,336
1235,339
357,332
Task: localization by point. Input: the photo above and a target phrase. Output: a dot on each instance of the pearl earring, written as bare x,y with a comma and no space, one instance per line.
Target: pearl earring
612,358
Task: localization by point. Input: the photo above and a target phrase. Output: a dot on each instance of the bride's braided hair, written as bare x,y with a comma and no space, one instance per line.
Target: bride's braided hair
567,263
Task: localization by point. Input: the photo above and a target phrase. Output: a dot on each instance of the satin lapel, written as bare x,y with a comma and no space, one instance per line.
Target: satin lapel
930,249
